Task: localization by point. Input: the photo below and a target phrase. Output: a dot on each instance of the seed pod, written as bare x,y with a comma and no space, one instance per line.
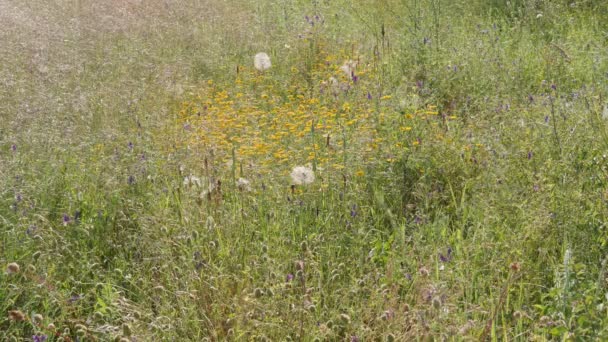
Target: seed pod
16,315
37,318
13,268
126,329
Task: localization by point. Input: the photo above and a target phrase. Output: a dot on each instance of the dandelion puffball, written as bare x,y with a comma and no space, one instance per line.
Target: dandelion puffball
348,68
243,184
261,61
302,175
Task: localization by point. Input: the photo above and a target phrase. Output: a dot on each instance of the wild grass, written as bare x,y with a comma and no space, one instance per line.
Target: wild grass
458,151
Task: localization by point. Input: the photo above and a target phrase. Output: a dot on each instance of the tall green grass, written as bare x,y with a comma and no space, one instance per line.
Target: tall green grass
492,227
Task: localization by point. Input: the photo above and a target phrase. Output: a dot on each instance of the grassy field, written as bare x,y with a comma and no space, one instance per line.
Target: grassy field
404,170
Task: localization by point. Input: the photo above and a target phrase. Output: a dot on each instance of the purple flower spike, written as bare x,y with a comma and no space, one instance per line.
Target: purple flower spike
369,95
546,118
131,180
130,145
289,277
530,154
13,147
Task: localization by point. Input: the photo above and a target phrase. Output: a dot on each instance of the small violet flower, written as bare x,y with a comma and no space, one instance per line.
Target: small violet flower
66,219
447,257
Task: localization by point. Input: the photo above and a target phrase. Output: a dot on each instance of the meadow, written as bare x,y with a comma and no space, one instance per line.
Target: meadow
387,170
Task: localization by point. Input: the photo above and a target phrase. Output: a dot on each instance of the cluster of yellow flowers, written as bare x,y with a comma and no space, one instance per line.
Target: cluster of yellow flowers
271,127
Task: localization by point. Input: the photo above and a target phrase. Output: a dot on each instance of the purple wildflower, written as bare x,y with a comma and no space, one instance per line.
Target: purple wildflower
31,230
66,219
13,147
74,298
39,338
369,95
130,145
131,180
554,87
354,77
289,277
447,257
426,40
546,118
354,339
530,154
353,210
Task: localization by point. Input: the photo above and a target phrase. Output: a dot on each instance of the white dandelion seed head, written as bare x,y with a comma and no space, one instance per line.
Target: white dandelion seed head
243,184
261,61
302,175
348,68
191,181
209,191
